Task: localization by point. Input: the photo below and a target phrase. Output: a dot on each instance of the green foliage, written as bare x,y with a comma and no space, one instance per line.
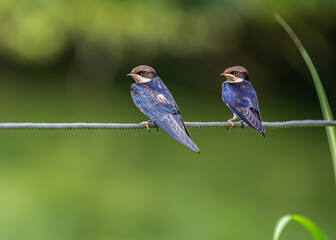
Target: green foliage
327,114
39,30
308,224
35,30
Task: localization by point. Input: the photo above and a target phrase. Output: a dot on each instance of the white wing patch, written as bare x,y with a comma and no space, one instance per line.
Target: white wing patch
161,98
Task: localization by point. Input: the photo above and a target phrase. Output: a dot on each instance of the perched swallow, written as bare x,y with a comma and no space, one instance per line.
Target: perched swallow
239,95
154,99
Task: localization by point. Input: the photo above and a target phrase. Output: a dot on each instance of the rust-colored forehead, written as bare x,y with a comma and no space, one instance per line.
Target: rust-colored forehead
143,68
235,68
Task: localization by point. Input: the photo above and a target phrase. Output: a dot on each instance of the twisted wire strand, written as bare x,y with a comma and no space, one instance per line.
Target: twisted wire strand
130,126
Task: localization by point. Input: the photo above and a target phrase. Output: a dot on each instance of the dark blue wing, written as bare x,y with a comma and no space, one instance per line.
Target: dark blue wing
251,117
242,99
156,102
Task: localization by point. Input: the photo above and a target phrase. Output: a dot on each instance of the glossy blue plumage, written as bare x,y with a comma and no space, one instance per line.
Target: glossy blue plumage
155,100
242,99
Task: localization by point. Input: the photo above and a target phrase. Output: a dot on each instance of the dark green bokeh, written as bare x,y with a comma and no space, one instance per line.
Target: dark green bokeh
66,61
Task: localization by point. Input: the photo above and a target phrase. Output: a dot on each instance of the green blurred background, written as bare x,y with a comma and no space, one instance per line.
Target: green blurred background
66,61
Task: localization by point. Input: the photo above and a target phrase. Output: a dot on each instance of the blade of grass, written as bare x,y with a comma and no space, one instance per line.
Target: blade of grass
326,111
308,224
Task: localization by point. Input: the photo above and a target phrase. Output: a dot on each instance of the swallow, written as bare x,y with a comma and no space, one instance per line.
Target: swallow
239,95
154,99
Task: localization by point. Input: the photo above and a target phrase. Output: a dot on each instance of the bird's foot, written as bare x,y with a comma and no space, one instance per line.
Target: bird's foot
146,124
230,121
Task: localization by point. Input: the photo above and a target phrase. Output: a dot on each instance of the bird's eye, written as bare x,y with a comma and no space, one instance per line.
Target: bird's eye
142,72
234,72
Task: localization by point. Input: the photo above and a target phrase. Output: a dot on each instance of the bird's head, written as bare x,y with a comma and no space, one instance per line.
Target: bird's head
143,74
235,74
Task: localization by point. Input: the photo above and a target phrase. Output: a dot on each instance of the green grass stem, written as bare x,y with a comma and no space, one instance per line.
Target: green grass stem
326,111
308,224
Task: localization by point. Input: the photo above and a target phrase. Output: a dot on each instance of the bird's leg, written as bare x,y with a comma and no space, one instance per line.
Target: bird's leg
146,124
157,127
231,119
242,124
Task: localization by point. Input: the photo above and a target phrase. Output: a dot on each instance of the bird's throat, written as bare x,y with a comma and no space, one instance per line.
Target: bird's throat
140,79
235,80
